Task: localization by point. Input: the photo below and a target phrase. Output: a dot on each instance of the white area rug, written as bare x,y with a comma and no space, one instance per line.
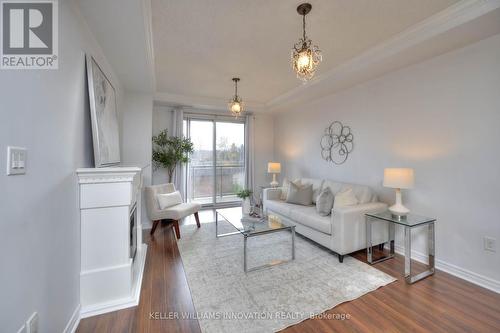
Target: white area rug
268,300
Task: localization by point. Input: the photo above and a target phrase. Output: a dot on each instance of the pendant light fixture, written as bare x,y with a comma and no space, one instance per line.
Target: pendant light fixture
236,104
305,56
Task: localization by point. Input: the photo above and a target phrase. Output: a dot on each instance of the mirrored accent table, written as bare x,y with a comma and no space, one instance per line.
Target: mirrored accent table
409,222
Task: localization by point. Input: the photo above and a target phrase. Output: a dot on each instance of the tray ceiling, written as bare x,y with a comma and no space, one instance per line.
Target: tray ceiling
200,45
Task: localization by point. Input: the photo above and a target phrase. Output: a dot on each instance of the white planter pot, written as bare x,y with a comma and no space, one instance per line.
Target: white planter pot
246,206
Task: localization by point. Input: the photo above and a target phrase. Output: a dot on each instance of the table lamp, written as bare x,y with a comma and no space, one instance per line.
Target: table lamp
398,178
274,168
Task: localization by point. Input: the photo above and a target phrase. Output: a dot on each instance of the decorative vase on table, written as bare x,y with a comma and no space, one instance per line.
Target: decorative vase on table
246,207
245,196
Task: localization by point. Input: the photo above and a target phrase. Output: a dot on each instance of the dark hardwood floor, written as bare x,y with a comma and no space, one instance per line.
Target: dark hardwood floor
440,303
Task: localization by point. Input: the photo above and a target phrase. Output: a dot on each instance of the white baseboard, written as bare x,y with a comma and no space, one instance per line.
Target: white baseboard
73,322
454,270
115,305
123,303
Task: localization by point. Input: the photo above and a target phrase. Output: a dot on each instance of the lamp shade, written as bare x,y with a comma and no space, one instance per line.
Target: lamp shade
273,167
398,177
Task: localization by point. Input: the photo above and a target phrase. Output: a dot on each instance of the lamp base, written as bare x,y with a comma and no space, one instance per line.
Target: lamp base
398,209
274,183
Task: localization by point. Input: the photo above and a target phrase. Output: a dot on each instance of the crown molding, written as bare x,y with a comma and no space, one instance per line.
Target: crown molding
148,37
359,69
452,17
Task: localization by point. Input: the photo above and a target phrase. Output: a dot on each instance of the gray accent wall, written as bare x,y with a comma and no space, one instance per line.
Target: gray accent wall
46,111
440,117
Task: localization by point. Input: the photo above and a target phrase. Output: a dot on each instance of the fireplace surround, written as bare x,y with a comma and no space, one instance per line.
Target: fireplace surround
133,232
112,252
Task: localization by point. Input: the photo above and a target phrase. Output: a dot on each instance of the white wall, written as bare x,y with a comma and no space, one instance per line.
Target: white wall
264,149
136,138
440,117
46,111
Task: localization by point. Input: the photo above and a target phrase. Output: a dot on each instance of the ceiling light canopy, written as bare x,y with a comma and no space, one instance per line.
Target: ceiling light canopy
236,104
305,56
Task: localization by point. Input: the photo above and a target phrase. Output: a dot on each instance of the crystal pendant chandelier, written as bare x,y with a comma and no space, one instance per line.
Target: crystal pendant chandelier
305,56
236,104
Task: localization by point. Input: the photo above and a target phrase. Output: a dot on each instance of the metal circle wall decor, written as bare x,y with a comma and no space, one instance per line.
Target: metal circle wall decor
337,143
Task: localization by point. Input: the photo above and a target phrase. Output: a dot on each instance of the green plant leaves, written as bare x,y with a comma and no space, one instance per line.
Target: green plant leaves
168,151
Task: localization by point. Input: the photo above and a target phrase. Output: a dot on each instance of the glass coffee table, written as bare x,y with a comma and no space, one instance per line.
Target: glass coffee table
252,228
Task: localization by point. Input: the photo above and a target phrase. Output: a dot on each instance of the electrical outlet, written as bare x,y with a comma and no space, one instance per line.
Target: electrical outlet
32,323
490,244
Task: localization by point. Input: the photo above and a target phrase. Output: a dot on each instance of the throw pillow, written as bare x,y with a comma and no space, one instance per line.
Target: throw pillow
345,198
166,200
300,195
324,202
286,186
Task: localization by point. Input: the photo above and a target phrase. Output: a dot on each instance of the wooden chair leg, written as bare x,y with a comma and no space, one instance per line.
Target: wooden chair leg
197,219
155,224
176,229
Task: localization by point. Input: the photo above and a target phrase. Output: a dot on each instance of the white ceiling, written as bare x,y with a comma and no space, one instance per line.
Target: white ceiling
200,45
122,28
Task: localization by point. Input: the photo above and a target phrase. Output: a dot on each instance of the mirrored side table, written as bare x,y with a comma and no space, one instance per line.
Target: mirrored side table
260,197
409,222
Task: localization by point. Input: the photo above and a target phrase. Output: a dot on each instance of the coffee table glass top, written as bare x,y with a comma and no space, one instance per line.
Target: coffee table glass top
410,220
235,214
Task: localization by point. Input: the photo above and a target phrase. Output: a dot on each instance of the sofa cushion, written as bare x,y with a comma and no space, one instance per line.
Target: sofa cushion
324,203
345,198
286,186
335,187
301,195
363,193
280,207
317,185
305,215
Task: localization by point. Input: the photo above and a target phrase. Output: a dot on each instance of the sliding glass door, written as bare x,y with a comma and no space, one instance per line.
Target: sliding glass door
229,161
200,175
217,167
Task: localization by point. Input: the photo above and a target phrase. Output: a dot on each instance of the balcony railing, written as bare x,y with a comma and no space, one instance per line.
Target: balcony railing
229,179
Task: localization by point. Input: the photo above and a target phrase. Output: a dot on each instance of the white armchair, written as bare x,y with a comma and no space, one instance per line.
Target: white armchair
173,213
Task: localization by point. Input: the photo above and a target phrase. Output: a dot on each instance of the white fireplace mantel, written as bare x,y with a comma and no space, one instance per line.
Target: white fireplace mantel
107,175
110,276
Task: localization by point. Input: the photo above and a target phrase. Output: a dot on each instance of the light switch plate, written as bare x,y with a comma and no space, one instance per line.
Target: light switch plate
16,160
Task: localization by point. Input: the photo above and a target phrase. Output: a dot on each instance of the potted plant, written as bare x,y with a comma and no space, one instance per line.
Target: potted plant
245,196
170,151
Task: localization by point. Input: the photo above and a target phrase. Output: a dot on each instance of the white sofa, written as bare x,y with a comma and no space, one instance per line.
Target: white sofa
344,230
